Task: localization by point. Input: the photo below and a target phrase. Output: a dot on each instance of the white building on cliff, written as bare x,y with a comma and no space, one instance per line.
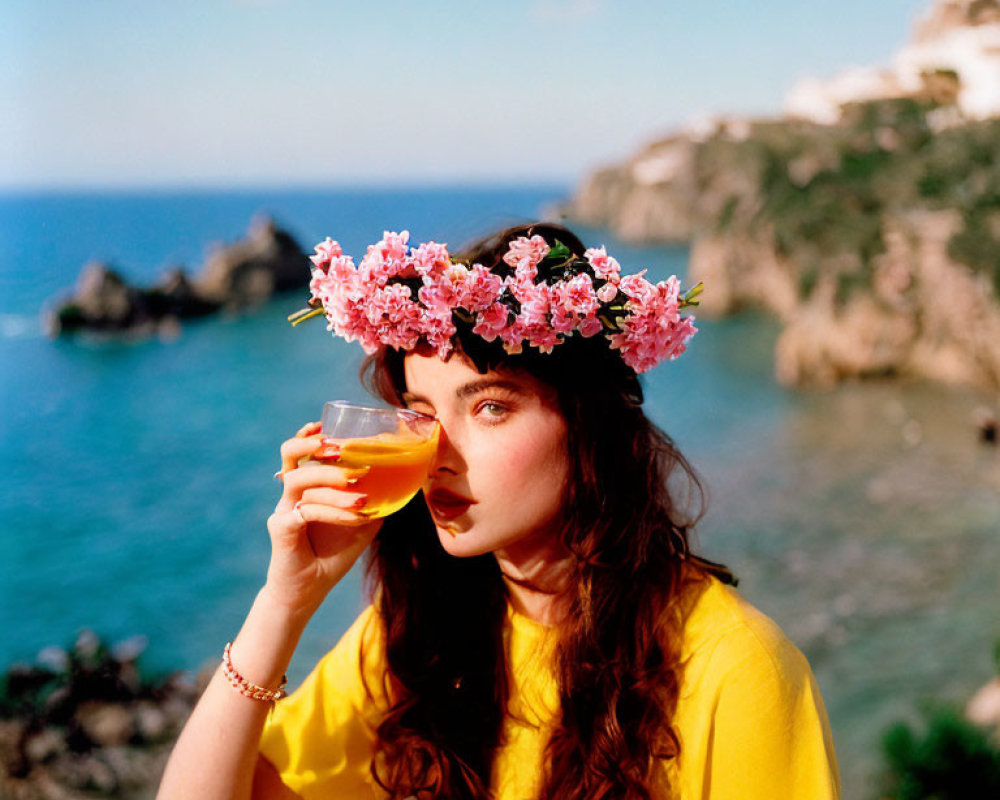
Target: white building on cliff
956,41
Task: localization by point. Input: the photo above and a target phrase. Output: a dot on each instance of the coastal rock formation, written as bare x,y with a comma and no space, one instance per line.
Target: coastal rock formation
248,272
874,238
234,277
83,722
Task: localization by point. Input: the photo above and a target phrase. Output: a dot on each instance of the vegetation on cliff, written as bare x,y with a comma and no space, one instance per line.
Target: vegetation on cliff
857,235
825,191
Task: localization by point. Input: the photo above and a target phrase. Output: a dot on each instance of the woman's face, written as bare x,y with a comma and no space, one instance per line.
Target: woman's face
498,481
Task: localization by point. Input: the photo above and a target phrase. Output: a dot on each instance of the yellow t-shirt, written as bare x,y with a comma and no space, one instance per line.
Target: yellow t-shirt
749,715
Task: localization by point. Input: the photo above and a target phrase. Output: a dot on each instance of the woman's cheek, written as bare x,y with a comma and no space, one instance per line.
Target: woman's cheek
519,461
540,464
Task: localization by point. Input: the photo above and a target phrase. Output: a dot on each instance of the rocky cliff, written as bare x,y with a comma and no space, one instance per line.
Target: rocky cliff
875,239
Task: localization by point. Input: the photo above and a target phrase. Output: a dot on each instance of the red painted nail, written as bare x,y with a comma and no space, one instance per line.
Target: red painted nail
360,502
330,442
327,455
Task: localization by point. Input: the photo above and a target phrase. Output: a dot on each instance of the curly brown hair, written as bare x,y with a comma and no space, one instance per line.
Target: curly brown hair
631,502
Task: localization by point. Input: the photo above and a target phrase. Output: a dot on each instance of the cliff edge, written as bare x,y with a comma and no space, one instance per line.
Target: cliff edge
872,232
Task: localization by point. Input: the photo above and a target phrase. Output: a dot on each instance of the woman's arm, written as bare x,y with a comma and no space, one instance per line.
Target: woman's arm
316,536
216,753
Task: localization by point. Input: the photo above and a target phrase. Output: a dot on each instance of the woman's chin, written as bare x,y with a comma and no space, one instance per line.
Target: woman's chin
459,540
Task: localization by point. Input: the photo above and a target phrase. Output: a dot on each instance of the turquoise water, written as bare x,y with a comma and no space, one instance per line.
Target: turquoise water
138,475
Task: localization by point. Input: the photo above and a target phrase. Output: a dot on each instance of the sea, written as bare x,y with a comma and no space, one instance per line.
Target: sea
865,520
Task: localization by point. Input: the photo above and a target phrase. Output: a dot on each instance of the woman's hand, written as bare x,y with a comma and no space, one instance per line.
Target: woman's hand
318,529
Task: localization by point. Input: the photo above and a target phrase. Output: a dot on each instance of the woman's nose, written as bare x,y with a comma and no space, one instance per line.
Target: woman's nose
448,458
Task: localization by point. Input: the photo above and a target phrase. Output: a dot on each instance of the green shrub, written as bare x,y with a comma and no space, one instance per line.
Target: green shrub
978,246
948,759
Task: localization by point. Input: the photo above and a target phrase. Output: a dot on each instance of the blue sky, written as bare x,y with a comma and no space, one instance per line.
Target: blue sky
231,93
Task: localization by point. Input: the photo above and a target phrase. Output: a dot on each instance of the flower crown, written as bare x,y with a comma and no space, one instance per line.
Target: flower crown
399,295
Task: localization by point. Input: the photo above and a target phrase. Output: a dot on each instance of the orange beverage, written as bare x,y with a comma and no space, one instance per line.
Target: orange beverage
394,467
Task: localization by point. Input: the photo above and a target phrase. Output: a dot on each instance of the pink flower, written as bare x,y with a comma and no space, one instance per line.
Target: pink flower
385,259
644,343
369,304
429,258
438,330
591,326
393,318
653,330
576,295
524,254
483,288
562,320
388,303
574,305
325,251
513,336
444,290
604,265
535,305
607,293
543,337
491,322
637,287
342,269
520,286
347,319
393,245
339,278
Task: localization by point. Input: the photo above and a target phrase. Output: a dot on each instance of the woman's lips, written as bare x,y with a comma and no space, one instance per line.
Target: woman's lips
446,504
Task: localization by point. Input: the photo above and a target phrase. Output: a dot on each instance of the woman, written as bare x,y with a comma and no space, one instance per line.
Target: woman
539,627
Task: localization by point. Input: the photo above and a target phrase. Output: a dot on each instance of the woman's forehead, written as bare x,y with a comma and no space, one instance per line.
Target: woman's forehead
428,374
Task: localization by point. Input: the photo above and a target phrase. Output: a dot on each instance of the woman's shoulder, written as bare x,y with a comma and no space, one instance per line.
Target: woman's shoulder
352,673
366,635
724,633
750,714
358,659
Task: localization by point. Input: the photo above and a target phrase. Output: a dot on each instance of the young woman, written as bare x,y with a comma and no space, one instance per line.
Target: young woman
539,626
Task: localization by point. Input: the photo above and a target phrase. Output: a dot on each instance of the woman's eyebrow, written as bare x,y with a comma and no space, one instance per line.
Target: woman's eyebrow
474,387
469,389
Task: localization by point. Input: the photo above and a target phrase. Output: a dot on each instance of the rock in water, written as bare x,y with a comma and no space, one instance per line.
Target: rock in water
234,277
248,272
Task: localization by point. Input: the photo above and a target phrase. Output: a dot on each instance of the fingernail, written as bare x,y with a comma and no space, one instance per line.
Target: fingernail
278,476
352,481
330,442
327,454
360,502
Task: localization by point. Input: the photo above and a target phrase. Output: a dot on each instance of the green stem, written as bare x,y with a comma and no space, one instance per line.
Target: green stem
304,314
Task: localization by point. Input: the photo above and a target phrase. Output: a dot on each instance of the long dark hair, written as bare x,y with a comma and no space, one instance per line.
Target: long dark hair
631,502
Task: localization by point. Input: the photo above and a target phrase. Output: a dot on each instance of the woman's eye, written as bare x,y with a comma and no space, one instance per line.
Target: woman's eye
492,412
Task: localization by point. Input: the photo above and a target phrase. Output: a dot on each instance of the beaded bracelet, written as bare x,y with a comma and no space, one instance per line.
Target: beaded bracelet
245,687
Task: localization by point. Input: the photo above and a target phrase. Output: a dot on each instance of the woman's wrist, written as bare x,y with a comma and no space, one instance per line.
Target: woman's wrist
293,611
263,648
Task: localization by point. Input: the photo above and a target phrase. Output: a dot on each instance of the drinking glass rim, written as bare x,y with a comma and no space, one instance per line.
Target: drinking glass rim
383,409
